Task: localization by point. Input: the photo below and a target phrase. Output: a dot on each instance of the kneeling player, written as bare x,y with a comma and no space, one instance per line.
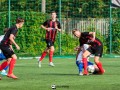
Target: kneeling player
79,61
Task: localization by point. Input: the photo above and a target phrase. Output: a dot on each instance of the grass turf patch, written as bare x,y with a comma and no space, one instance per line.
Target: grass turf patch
64,75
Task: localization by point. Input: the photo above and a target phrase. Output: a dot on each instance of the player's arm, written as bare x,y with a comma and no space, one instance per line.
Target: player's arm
58,26
93,34
13,41
77,48
11,47
44,26
58,29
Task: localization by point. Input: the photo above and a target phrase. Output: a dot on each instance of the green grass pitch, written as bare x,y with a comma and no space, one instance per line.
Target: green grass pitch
64,75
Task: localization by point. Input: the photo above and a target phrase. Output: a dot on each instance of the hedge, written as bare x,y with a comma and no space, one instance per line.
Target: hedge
31,37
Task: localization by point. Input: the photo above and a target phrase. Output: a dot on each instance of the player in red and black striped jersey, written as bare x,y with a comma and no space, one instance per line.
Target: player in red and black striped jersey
96,48
51,26
6,47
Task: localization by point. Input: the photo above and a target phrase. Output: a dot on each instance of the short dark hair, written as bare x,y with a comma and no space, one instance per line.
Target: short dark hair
19,20
53,12
74,30
5,30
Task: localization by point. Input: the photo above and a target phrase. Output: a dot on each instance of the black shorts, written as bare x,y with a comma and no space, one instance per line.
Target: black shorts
97,51
49,43
7,51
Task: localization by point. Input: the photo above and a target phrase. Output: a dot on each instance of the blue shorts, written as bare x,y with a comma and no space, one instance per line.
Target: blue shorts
2,57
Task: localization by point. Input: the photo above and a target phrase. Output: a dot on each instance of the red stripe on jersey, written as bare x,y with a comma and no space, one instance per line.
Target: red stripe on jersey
95,41
6,42
55,35
52,33
51,24
48,33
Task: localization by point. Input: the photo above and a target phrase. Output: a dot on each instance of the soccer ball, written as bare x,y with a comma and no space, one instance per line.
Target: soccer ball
91,68
53,86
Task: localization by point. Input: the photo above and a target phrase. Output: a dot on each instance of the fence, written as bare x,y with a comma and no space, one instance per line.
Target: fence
86,15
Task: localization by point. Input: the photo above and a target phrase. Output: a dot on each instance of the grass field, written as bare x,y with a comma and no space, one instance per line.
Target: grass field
64,75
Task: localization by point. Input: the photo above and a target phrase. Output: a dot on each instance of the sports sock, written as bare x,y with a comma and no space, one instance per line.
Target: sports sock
3,65
85,65
11,66
99,65
50,56
43,55
80,67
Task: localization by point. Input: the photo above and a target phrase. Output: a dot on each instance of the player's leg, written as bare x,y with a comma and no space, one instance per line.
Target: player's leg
11,67
3,65
84,59
3,72
80,68
90,63
51,52
2,57
99,64
42,56
98,54
79,62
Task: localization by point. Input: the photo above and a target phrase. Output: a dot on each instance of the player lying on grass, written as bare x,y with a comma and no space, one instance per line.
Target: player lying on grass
6,47
79,62
95,48
51,26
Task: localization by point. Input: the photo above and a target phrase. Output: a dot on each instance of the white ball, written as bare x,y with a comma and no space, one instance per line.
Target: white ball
53,86
91,68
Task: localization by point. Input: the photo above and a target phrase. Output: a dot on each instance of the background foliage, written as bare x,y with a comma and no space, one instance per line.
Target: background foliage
31,36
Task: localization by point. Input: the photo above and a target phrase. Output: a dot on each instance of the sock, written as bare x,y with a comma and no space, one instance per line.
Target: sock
80,67
11,66
85,65
43,55
3,65
6,68
99,65
50,56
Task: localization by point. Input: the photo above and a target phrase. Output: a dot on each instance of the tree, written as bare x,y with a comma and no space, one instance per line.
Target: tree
43,6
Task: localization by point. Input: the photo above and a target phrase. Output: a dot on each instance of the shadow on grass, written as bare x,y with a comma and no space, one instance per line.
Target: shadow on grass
60,74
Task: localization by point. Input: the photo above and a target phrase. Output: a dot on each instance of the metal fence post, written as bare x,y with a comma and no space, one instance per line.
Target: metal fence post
9,13
110,28
60,22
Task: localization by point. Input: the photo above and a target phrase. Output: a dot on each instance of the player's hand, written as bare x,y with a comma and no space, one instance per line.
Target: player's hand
56,27
48,29
77,48
93,39
17,47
